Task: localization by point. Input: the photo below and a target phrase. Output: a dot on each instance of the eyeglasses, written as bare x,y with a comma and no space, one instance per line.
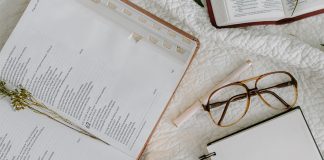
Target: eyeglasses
229,104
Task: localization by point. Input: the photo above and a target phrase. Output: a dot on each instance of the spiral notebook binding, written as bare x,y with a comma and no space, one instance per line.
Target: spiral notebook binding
203,157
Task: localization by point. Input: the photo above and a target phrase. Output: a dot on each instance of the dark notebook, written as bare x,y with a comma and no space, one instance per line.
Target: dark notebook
283,137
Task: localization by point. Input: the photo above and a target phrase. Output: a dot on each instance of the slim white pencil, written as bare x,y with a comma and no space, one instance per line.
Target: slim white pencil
197,105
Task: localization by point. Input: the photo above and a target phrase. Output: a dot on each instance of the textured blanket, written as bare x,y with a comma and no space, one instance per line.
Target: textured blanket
295,47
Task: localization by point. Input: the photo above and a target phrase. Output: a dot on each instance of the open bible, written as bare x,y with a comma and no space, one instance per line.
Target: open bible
240,13
109,67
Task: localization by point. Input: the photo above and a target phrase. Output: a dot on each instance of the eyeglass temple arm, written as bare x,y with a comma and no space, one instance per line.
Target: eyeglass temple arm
242,96
278,97
282,85
253,93
232,99
225,110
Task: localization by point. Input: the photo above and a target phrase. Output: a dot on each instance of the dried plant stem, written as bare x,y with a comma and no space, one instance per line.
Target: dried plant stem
199,3
22,99
58,118
295,7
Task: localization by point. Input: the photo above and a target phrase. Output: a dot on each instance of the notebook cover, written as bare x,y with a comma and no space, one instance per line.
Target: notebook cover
296,108
170,26
280,22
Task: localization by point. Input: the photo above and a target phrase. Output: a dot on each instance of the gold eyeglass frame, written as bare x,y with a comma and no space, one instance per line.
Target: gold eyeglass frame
252,92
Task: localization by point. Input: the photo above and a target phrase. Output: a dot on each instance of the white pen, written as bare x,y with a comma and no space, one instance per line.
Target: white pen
197,105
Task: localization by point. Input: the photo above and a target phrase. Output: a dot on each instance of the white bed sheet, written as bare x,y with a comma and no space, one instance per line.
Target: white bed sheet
294,47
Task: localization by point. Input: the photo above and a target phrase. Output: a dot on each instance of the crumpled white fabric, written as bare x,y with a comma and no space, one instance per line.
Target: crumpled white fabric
294,47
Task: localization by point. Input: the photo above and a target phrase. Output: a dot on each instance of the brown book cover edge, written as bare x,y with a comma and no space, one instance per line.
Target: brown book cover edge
280,22
169,25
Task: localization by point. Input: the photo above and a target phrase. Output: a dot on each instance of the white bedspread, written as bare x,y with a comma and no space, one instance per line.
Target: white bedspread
294,47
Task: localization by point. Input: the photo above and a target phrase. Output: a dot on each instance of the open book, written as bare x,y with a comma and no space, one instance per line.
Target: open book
240,13
283,137
108,66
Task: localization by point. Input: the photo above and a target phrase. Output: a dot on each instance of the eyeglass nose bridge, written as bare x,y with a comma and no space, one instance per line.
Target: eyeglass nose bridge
253,91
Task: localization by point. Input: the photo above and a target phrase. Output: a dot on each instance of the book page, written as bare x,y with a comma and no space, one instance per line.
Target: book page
26,135
243,11
84,66
220,12
303,6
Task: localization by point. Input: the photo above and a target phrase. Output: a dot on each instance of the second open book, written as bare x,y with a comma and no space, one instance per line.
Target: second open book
236,13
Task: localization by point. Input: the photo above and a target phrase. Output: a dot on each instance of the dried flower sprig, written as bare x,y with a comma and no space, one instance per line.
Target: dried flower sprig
22,99
295,7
